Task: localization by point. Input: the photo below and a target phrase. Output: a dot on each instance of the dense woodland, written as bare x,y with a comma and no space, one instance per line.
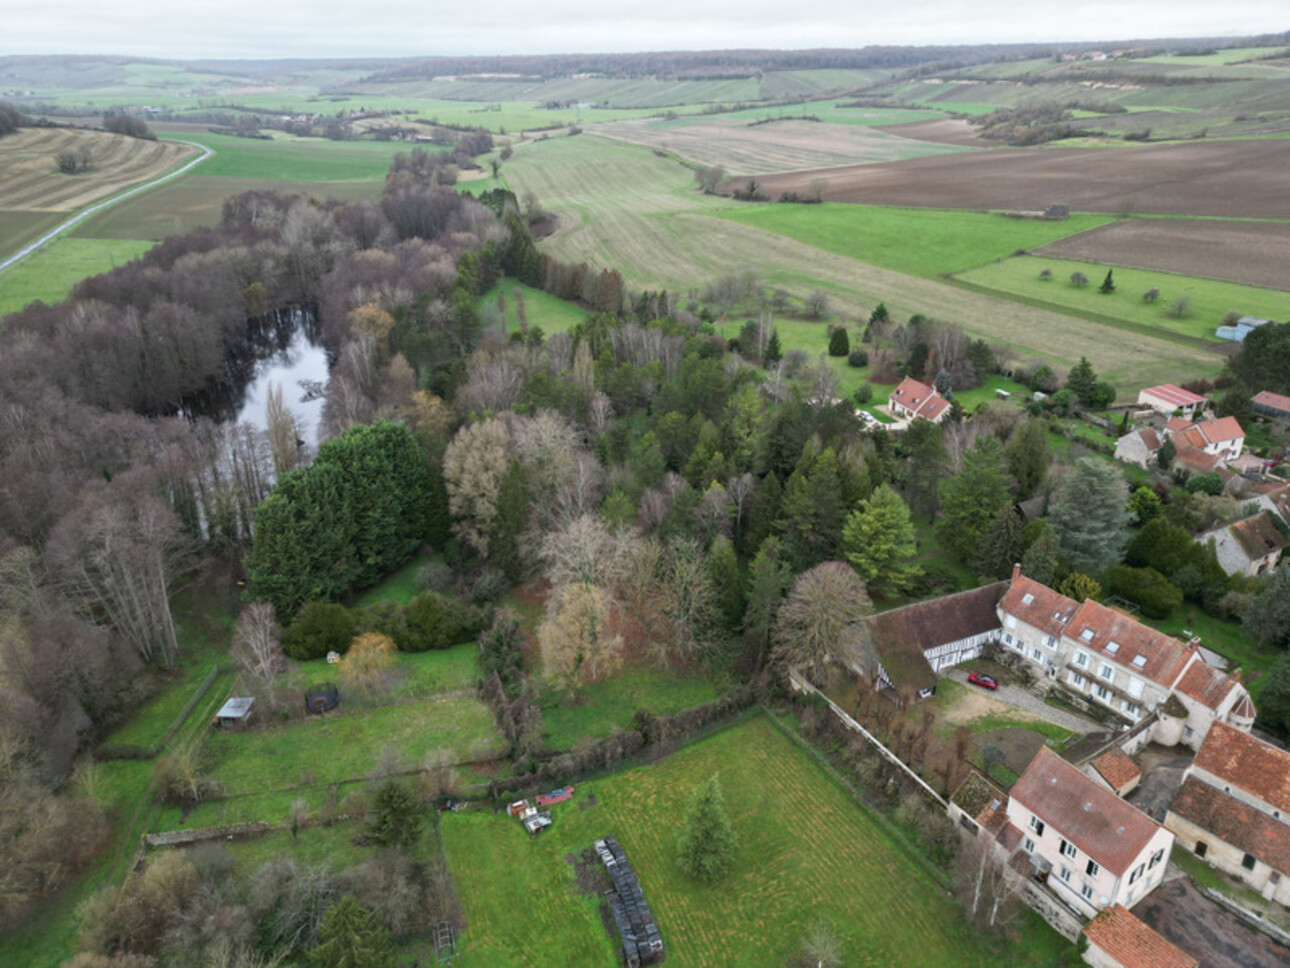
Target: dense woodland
679,498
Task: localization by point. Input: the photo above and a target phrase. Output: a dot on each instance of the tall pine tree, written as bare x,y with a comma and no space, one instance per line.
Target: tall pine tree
706,847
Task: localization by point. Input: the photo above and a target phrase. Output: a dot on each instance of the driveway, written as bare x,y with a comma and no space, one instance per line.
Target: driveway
1028,702
1206,931
1162,775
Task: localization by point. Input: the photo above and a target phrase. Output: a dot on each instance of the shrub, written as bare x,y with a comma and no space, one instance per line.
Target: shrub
1148,589
437,622
435,576
863,394
839,342
1079,280
1046,275
1209,483
858,358
319,628
396,816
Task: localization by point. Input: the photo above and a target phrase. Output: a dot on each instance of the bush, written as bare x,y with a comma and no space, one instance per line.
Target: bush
436,622
1148,589
1209,483
858,358
435,576
863,394
319,628
1078,279
839,342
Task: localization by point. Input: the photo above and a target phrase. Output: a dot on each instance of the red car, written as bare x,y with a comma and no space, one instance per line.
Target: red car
982,680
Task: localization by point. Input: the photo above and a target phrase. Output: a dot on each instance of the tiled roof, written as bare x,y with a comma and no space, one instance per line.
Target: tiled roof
1235,822
1276,401
1038,605
1207,685
918,397
1150,438
1258,536
1247,762
1175,396
1195,459
1175,425
1117,768
1131,943
902,635
1123,639
1091,817
1213,432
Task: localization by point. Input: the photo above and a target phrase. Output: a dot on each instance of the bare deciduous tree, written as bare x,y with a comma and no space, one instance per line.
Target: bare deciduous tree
823,618
258,650
282,432
575,643
474,467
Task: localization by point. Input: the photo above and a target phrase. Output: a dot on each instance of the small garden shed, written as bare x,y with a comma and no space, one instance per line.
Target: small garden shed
235,713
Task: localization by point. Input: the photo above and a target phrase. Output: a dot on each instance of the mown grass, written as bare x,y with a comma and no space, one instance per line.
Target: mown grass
552,314
610,704
299,159
399,586
345,744
924,242
50,273
417,674
1210,298
807,851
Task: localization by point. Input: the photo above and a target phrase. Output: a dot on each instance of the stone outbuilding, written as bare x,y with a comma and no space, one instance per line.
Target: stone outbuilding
1248,547
1115,770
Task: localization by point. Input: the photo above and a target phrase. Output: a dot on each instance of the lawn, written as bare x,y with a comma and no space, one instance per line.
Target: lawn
552,314
346,744
50,273
288,158
611,704
1227,638
400,586
419,673
1210,298
807,850
924,242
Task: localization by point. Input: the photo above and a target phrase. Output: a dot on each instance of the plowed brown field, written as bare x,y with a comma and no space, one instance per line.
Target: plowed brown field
1255,253
1234,179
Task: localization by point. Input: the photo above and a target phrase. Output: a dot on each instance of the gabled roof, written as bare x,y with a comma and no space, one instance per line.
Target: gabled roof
902,635
1218,431
1116,767
1257,536
1131,943
1175,396
1175,425
1207,685
1266,398
919,398
1038,605
1150,438
1124,639
1244,827
1091,817
1247,762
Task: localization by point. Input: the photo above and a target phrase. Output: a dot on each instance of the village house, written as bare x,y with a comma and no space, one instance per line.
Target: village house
1233,810
1169,399
1140,447
1112,660
915,642
1272,405
1091,849
1247,547
1222,438
913,399
1118,939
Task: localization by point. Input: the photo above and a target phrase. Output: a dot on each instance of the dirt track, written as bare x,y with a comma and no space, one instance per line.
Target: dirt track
1236,179
1255,253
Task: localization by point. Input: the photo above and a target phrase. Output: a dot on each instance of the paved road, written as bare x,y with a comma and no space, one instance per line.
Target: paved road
106,203
1028,702
1206,931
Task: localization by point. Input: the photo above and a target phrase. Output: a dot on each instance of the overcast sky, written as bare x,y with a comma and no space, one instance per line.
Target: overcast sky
334,28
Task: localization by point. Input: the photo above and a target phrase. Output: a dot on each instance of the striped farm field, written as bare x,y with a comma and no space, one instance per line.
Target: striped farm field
30,179
624,206
807,850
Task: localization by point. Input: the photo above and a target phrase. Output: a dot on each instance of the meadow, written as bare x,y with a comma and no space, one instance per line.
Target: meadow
609,705
1209,299
807,851
50,273
926,242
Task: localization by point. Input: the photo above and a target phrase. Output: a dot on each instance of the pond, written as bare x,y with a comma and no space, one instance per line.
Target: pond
283,349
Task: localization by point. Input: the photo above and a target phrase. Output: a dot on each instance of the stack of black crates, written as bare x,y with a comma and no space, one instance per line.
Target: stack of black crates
642,944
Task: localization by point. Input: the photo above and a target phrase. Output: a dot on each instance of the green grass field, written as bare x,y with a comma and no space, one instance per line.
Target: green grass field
299,159
50,273
419,673
610,704
807,850
1210,299
920,241
346,744
552,314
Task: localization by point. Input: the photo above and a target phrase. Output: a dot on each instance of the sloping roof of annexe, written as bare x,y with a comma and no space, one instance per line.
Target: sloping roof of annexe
1118,932
1117,768
1273,401
902,635
1091,817
1247,762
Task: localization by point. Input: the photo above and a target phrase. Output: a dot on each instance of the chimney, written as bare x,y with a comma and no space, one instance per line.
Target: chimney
1193,643
1016,571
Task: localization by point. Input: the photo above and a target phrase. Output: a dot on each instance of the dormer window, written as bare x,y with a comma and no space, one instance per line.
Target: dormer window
1112,648
1087,635
1139,661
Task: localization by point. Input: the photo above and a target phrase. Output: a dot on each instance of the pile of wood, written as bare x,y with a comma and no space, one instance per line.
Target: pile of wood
642,943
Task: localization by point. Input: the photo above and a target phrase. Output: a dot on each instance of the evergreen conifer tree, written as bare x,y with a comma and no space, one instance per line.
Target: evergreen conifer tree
707,843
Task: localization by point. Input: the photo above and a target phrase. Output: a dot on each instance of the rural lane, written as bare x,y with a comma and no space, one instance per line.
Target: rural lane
106,203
